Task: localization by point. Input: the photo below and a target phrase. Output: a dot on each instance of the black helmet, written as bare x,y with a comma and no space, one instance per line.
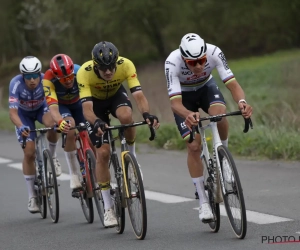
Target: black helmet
105,54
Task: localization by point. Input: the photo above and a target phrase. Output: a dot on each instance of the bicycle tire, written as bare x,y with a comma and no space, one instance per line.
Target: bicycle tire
137,197
215,207
86,204
51,187
98,199
238,225
41,197
117,193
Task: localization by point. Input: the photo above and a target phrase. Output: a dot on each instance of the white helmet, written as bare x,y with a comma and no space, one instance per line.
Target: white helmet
30,64
192,46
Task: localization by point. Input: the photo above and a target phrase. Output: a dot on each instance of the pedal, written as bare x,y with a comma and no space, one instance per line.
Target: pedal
76,193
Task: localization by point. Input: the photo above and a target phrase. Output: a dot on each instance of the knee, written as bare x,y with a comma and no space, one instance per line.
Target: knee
29,155
125,117
103,154
194,148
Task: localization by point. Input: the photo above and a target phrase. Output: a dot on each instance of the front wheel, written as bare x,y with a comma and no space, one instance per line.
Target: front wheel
136,202
51,187
233,194
211,193
117,192
96,189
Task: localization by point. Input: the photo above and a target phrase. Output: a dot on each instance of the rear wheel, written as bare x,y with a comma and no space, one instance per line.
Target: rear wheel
116,192
86,204
51,187
136,202
210,187
233,195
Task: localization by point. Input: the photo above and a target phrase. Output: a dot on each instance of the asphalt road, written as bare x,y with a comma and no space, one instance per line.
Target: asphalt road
271,190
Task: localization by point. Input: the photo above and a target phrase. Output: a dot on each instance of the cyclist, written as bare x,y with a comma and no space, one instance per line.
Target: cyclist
101,92
27,104
191,86
62,94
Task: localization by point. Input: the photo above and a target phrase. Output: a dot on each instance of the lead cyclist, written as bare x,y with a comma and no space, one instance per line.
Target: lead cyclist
191,86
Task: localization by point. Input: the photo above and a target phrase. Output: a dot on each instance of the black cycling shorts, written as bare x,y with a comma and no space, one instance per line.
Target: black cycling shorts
103,108
203,98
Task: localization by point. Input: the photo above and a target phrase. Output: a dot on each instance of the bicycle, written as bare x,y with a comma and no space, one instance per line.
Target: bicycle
87,162
127,190
214,181
45,181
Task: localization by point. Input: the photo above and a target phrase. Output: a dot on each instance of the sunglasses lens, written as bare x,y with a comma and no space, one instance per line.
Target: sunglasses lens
29,76
194,62
106,67
66,79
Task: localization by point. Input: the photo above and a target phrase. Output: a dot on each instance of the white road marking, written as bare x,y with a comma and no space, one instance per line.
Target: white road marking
3,160
62,177
252,216
255,217
165,198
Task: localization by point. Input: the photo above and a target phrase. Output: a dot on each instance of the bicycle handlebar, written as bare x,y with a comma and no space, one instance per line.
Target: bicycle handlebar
216,118
80,127
41,130
124,126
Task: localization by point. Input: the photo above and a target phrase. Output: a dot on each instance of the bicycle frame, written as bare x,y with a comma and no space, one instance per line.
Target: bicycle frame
82,146
124,149
216,140
216,143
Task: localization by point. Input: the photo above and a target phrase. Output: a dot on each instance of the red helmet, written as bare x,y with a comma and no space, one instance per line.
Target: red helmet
62,65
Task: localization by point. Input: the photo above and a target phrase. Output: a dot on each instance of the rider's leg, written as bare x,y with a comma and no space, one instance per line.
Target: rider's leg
124,114
52,137
196,168
71,157
103,178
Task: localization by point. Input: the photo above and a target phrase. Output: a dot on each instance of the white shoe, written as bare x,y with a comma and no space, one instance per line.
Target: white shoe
57,166
32,205
205,213
227,173
75,182
110,219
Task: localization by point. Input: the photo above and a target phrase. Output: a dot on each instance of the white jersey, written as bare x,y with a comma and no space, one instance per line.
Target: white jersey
181,79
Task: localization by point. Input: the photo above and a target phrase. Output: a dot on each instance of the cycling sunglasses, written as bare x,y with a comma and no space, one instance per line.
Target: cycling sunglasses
103,68
66,79
193,63
30,76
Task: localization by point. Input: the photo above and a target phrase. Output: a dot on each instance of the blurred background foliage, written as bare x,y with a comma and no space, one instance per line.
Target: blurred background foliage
145,30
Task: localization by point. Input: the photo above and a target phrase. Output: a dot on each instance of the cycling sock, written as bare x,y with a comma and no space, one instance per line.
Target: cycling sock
30,185
131,148
106,196
52,148
225,143
72,162
199,184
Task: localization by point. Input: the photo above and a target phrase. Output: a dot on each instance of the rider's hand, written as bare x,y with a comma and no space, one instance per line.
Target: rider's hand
24,131
152,120
99,127
192,120
64,126
245,108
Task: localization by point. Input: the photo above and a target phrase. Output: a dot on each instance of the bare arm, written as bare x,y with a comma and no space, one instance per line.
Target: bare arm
141,101
238,96
236,90
191,118
88,112
54,110
14,117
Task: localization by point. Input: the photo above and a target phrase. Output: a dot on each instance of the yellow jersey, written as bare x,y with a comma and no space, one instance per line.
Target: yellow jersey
91,85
